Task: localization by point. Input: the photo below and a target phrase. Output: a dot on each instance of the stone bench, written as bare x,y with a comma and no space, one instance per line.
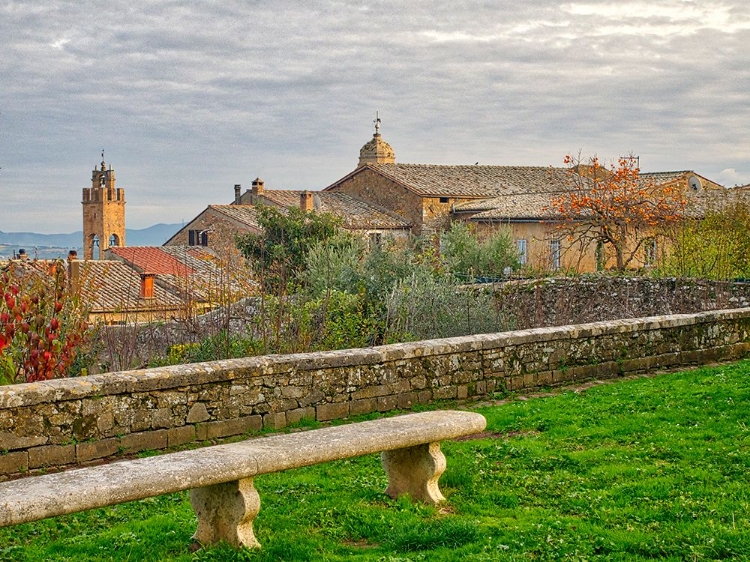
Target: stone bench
220,477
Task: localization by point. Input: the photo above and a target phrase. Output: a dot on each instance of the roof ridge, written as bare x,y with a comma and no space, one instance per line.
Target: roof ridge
471,166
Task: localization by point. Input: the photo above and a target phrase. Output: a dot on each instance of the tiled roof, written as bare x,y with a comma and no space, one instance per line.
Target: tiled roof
516,206
538,205
714,200
152,259
244,214
664,177
112,286
208,276
106,286
681,176
355,213
191,271
472,181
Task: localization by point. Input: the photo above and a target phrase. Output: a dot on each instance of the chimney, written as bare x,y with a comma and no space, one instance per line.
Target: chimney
147,285
74,271
257,188
306,201
237,194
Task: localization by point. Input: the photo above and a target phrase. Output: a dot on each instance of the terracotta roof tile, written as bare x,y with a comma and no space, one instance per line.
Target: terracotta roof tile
191,271
110,286
152,259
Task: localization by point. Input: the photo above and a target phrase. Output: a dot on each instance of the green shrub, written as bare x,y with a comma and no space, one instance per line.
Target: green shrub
465,255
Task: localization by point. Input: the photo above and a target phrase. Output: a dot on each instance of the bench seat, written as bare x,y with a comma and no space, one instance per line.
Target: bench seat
220,476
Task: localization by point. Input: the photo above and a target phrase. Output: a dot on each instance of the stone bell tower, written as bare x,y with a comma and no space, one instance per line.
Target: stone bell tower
103,213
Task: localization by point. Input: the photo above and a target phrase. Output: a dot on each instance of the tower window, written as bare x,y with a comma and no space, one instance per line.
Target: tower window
95,247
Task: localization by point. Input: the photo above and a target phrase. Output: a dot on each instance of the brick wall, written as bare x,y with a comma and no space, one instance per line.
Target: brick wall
73,421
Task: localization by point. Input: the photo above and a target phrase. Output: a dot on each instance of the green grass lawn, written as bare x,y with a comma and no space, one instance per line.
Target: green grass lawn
641,469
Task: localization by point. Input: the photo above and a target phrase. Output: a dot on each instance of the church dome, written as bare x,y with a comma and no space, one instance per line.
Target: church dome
376,150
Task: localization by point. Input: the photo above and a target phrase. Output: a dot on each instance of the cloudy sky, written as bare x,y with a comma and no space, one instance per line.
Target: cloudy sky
189,98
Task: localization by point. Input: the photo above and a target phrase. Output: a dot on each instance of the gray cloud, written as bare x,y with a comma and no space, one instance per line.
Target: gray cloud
190,98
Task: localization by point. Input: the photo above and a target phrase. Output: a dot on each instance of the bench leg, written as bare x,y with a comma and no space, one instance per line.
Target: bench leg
226,512
415,471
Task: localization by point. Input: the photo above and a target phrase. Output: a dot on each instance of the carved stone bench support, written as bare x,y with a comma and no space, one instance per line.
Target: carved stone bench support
415,471
226,512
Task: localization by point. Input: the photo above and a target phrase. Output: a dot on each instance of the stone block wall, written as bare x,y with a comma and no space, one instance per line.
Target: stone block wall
372,187
80,420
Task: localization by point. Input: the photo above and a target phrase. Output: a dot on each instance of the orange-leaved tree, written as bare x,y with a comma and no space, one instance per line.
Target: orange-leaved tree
614,208
42,322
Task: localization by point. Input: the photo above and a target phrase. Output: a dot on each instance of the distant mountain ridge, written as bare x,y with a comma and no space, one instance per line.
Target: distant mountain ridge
154,235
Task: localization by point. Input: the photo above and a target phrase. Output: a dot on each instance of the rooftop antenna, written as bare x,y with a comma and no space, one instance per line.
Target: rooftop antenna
633,157
377,123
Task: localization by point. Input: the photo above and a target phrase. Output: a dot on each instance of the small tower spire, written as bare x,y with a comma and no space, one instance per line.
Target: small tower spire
376,150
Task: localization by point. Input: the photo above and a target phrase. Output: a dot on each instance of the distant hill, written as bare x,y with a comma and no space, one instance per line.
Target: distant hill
154,235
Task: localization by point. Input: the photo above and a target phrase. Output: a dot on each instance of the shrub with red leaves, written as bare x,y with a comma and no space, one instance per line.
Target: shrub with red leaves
42,323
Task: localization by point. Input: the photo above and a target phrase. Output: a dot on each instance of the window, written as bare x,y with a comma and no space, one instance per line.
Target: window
554,253
521,246
197,238
375,240
95,247
444,199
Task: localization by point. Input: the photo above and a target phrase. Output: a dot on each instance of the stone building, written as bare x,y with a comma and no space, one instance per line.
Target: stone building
381,198
217,226
103,213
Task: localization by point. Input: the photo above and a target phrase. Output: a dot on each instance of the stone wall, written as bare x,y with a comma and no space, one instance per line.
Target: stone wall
80,420
379,190
555,301
530,303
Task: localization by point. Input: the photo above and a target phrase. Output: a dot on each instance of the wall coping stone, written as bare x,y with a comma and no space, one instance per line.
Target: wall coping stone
176,376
